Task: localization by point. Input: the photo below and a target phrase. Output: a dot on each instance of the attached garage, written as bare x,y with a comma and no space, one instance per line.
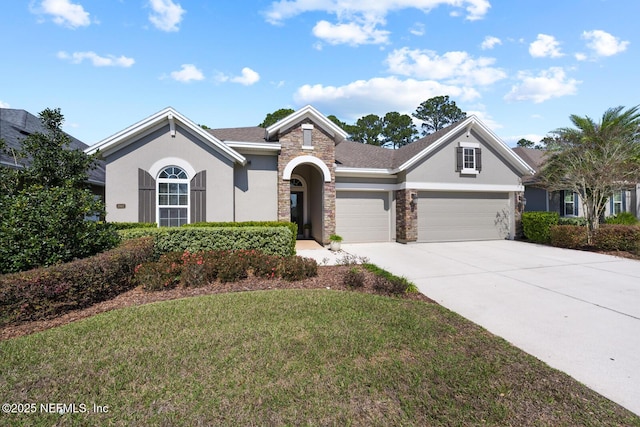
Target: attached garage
363,216
458,216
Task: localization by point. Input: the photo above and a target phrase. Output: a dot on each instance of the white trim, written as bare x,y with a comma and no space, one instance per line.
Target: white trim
307,126
309,112
157,120
428,186
469,171
468,144
447,186
362,172
171,181
172,125
158,166
288,170
359,186
262,146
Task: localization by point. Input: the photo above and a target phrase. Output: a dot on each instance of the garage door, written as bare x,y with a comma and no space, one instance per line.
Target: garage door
363,216
453,216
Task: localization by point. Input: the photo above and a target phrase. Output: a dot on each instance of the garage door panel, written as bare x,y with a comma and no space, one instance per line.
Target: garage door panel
449,216
363,216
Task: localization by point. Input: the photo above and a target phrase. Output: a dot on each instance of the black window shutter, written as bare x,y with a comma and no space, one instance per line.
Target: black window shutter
146,197
199,197
575,204
459,159
478,159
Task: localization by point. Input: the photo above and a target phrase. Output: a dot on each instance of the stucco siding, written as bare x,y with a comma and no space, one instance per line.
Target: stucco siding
440,166
256,189
148,152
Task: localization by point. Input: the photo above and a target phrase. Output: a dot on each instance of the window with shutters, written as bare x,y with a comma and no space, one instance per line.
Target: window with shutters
173,197
468,160
570,204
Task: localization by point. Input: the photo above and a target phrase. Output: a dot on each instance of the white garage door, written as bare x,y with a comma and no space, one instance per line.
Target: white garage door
453,216
363,216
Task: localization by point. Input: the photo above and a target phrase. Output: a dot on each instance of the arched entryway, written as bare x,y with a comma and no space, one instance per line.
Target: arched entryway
307,177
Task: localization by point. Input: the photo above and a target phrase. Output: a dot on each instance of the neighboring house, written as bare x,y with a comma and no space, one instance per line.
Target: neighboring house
461,183
16,125
567,203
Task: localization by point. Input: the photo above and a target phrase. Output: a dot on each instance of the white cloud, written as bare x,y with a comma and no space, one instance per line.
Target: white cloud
603,43
551,83
454,67
248,77
97,60
358,19
3,104
65,13
188,73
166,15
356,99
580,56
417,29
545,46
351,33
490,42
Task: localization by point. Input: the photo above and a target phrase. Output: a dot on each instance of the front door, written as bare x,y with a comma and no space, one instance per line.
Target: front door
297,210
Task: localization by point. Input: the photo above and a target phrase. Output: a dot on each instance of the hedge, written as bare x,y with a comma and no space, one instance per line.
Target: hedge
605,238
269,240
536,225
130,225
568,236
290,225
617,238
50,291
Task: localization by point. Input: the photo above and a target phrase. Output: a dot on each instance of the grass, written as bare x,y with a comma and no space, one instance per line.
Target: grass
290,357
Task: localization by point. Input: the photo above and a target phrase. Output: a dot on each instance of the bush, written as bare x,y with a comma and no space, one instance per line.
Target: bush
623,218
536,225
50,291
354,278
388,282
290,225
572,220
613,237
198,269
130,225
269,240
568,236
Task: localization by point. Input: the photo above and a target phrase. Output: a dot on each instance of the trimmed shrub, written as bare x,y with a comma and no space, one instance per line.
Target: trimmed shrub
536,225
623,218
388,282
130,225
299,268
290,225
354,278
612,237
568,236
572,220
50,291
269,240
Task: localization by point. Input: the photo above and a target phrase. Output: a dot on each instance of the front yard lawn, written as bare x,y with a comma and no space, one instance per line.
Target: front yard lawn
289,357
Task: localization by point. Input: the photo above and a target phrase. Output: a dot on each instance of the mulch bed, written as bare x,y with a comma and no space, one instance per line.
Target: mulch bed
329,277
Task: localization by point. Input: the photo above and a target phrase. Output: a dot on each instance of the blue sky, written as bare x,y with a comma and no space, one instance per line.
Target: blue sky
522,66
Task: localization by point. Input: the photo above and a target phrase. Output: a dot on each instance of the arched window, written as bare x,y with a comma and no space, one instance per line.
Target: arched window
173,197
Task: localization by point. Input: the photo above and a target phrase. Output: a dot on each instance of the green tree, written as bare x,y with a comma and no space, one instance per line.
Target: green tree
595,159
276,116
523,142
45,202
368,130
398,129
437,113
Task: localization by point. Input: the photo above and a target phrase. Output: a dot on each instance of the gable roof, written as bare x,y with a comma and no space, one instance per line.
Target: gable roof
161,118
307,112
15,125
535,159
245,134
357,155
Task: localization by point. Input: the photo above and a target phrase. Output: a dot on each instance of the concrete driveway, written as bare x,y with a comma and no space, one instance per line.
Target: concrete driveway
577,311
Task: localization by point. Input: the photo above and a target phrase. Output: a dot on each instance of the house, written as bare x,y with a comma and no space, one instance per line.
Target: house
567,203
15,125
461,183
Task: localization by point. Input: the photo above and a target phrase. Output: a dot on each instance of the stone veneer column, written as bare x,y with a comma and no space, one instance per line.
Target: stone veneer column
406,216
324,150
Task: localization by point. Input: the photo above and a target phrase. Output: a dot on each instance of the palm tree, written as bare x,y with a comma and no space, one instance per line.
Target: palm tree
595,159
